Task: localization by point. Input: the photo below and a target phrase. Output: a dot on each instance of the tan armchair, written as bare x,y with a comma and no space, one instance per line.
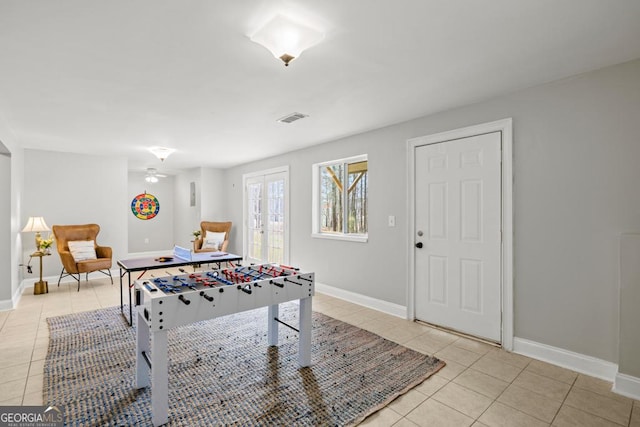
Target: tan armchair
215,227
70,267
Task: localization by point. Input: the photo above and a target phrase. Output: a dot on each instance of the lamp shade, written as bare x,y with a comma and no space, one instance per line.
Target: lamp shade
285,38
35,223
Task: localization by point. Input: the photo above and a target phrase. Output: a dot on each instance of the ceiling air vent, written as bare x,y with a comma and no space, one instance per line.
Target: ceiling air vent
290,118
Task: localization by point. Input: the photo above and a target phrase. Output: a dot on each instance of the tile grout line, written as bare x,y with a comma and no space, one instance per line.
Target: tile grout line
565,399
33,348
476,419
505,389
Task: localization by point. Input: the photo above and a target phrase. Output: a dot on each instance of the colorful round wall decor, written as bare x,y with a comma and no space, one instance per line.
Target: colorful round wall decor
145,206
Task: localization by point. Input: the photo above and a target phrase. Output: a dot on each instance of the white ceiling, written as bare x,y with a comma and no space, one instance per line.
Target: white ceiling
116,77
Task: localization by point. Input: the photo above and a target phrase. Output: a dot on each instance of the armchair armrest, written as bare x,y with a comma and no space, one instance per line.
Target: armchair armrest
197,244
103,252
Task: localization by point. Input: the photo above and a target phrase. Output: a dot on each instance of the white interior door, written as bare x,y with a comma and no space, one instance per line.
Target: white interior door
266,222
458,236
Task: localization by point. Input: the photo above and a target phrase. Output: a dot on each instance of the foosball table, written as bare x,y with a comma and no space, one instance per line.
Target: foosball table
167,302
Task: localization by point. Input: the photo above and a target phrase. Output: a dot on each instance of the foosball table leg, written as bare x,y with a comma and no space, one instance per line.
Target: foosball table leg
304,340
143,370
159,379
272,325
152,369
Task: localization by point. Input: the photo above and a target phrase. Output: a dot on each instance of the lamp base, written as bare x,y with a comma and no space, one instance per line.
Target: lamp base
38,240
41,287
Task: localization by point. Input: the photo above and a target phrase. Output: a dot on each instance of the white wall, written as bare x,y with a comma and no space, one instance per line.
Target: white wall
356,267
67,188
155,234
6,244
210,202
212,195
186,218
10,273
576,171
629,304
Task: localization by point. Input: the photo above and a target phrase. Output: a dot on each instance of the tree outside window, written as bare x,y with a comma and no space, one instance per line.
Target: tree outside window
341,190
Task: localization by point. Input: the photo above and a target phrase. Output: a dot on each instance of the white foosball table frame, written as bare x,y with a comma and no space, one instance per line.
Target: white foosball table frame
157,312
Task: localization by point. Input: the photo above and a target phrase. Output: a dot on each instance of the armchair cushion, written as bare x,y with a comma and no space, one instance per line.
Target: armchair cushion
82,250
90,265
213,240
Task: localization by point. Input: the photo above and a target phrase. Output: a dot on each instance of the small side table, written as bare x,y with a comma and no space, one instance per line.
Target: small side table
42,286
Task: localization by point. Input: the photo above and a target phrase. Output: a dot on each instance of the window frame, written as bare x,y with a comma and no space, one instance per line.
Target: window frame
315,201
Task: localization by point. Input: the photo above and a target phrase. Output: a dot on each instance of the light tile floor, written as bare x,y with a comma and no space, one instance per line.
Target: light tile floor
480,386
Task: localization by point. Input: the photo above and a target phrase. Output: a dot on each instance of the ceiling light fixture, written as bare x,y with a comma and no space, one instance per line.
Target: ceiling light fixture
161,152
285,38
153,175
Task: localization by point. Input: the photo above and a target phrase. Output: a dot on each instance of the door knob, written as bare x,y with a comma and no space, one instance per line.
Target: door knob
419,245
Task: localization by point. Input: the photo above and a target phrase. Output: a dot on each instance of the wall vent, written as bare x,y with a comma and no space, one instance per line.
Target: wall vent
290,118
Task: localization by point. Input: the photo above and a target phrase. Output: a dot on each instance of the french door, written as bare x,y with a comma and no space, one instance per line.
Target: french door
266,212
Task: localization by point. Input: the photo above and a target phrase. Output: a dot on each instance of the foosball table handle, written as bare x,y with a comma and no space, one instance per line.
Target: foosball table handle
280,285
205,296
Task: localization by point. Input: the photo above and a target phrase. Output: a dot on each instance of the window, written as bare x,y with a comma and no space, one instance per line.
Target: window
340,199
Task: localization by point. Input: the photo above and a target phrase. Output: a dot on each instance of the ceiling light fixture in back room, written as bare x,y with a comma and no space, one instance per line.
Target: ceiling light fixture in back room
286,38
153,175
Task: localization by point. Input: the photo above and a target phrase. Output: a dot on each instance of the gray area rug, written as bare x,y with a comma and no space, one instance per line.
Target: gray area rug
221,372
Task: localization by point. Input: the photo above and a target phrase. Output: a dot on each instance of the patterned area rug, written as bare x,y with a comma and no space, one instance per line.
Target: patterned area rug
221,372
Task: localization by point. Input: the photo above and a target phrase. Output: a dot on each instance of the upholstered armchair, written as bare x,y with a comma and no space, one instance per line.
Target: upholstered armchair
216,241
79,251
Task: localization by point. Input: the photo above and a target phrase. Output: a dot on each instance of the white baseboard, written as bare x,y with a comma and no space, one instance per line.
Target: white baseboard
627,385
53,280
10,304
366,301
567,359
29,282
